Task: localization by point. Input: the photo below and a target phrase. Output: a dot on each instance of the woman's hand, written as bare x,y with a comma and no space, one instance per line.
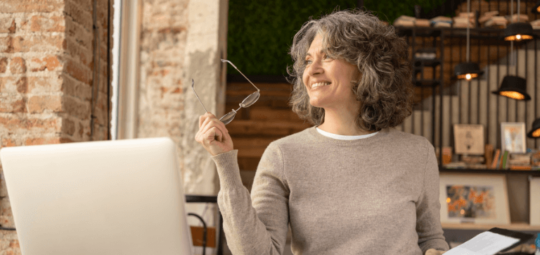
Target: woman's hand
434,252
213,135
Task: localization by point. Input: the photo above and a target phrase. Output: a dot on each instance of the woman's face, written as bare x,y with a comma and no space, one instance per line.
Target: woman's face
329,81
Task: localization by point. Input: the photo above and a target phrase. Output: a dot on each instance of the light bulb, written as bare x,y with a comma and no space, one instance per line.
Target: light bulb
518,37
468,77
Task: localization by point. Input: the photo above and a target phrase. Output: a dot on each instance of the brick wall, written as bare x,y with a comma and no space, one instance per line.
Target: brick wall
46,78
163,41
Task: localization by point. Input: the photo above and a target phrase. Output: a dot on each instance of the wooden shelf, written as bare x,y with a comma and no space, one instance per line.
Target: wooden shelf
518,226
489,171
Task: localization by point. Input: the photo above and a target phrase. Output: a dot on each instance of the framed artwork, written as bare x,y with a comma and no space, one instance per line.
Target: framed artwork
535,201
513,137
469,139
469,198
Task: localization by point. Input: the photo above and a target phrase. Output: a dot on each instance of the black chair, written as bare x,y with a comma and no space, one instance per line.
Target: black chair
207,199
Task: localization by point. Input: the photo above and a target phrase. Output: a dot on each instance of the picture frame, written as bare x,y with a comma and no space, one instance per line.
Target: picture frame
470,198
534,201
469,139
513,137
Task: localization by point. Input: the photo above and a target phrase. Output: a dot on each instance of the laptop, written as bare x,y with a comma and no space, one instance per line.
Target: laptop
106,197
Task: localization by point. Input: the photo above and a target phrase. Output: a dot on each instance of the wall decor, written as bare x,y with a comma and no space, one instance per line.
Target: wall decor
479,199
513,137
469,139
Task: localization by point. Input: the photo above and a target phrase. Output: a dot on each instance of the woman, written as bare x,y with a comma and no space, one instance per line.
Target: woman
351,184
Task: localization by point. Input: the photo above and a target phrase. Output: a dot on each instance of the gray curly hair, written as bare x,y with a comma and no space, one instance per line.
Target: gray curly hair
360,38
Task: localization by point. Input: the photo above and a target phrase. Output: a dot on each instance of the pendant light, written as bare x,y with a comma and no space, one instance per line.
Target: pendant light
536,8
467,70
535,132
513,87
518,31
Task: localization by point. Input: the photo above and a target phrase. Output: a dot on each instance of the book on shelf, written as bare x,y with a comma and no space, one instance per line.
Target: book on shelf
535,24
520,167
488,154
518,18
496,158
497,22
486,16
504,160
422,23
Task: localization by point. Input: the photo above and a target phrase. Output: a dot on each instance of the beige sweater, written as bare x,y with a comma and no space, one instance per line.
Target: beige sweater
378,195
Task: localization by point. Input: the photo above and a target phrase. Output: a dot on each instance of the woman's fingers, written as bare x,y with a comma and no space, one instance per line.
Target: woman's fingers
213,134
212,121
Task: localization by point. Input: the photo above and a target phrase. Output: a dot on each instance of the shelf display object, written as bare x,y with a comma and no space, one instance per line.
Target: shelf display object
482,105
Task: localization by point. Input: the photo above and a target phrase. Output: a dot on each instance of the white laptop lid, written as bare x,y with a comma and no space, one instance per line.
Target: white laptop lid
109,197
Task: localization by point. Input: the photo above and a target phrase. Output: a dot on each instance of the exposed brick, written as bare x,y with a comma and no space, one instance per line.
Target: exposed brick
44,125
78,72
28,6
6,44
80,53
8,25
45,84
3,65
14,244
7,221
8,142
13,84
76,108
68,127
42,23
49,63
15,122
39,104
40,141
17,65
80,12
22,85
10,105
32,43
81,129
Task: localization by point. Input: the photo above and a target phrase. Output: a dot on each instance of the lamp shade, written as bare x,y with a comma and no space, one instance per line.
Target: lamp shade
535,132
518,31
536,8
467,71
513,87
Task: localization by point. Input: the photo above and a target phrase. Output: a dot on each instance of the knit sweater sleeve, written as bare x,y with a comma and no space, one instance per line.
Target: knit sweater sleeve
257,224
428,224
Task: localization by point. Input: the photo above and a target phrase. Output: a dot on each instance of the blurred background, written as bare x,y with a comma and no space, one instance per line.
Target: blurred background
89,70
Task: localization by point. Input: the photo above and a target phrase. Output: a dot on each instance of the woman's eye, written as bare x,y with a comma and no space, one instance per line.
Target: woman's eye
306,62
327,57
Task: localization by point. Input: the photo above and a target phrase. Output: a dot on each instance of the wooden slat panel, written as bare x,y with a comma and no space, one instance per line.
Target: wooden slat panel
248,164
270,114
264,128
251,147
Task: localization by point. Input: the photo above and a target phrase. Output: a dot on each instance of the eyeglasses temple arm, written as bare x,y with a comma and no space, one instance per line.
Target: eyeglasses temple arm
224,60
193,84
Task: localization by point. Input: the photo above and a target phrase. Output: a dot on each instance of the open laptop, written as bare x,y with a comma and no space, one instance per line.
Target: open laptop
108,197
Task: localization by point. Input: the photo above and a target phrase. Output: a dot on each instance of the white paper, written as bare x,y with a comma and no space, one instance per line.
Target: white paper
486,243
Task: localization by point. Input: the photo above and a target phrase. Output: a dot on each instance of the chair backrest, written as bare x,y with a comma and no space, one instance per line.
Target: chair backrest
195,233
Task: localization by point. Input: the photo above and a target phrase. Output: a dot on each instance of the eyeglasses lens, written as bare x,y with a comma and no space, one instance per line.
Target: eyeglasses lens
227,118
250,100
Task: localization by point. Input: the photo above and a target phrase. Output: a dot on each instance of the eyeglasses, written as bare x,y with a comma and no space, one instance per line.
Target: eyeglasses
247,102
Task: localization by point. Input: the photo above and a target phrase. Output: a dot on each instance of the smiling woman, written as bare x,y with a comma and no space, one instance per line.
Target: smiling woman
362,42
351,184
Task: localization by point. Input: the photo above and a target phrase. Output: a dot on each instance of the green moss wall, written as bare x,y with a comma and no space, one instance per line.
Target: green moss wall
261,32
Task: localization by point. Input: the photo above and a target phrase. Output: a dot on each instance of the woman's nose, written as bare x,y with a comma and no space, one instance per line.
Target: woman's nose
315,68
